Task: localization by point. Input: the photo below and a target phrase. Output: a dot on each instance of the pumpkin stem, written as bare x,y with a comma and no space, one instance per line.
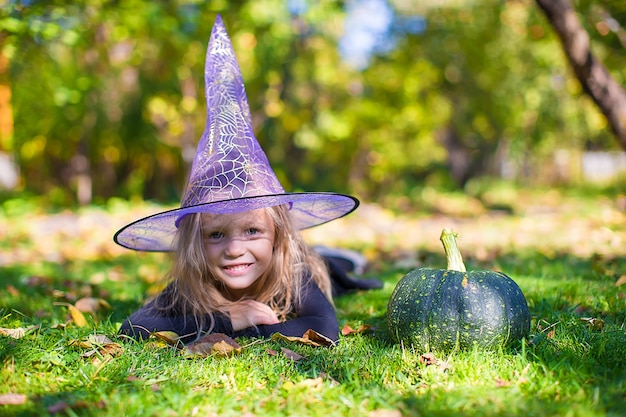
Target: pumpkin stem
453,254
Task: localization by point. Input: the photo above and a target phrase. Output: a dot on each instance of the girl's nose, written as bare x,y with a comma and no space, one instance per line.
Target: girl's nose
234,248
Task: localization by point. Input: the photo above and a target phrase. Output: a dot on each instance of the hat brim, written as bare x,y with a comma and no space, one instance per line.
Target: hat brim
155,233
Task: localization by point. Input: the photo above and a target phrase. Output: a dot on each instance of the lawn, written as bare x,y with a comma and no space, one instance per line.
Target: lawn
565,249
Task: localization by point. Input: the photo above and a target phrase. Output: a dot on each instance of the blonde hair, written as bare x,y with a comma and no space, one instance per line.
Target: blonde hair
195,291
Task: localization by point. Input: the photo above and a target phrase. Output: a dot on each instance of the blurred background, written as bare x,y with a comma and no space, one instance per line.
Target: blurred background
384,99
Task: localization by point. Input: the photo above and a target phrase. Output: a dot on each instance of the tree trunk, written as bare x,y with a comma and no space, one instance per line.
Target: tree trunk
596,81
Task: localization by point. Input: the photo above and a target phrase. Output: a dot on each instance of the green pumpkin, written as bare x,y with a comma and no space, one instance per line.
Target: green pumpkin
438,309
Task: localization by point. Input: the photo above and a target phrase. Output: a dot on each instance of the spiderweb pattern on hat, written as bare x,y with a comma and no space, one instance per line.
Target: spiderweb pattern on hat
229,162
230,172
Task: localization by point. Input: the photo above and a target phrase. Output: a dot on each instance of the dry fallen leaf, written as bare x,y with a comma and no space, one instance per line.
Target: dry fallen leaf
290,354
198,349
621,281
593,323
112,349
171,338
430,359
318,338
38,281
59,407
12,399
217,344
12,290
63,407
98,344
91,341
310,338
77,316
346,330
226,347
16,333
91,305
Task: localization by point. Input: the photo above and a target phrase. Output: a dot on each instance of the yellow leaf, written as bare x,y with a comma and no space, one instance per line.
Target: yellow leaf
171,338
224,348
621,281
104,303
77,316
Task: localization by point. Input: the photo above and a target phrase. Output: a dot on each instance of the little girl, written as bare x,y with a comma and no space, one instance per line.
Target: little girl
240,265
241,274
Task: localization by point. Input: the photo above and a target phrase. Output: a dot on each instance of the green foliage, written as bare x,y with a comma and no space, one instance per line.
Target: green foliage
112,92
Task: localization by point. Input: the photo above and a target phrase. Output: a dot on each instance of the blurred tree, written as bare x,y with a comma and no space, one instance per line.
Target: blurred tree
98,103
107,97
485,89
595,79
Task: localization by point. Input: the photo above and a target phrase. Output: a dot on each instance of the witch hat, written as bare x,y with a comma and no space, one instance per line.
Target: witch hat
230,172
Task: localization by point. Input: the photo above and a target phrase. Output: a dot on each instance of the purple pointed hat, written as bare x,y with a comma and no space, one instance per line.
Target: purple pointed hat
230,172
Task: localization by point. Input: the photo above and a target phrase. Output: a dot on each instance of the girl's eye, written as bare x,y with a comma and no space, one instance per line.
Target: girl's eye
214,235
252,231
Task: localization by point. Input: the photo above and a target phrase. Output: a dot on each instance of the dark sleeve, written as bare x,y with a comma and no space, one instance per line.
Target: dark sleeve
149,319
314,312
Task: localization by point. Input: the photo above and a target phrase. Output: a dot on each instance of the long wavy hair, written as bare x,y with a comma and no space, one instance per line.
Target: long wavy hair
195,291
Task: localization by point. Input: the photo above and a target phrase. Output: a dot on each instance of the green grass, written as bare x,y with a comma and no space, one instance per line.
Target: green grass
567,367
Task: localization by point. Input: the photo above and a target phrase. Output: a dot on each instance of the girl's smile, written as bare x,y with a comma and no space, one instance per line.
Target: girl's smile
236,269
240,247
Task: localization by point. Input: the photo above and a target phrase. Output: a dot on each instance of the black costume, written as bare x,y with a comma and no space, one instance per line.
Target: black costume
314,312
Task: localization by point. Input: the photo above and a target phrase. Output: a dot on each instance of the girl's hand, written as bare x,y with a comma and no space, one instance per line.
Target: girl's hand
248,313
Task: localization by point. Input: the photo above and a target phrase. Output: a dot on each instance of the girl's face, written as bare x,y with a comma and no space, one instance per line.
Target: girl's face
239,248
